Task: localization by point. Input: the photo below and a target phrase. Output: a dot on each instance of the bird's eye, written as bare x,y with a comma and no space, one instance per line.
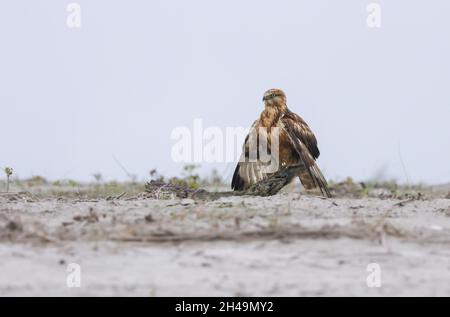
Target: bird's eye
273,95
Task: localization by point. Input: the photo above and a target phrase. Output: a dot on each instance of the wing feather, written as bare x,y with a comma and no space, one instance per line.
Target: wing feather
301,130
292,129
247,172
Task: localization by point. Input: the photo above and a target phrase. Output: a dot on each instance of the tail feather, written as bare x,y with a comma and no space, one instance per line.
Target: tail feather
312,177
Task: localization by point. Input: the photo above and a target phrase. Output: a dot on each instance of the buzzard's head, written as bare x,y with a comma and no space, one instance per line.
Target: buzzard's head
274,98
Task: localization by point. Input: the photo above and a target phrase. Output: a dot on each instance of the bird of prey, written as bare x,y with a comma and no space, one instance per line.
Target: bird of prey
296,145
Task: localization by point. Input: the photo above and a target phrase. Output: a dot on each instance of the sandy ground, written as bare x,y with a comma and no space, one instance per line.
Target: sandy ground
285,245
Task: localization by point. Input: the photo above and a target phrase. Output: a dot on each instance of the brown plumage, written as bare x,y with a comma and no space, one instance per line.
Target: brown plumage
297,145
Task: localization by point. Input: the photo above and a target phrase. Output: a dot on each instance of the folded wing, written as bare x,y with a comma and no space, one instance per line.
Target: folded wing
305,144
249,169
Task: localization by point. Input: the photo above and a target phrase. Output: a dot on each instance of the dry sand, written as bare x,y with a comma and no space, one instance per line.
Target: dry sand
285,245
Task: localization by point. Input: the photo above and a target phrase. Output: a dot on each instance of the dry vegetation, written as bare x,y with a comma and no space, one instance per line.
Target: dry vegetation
132,242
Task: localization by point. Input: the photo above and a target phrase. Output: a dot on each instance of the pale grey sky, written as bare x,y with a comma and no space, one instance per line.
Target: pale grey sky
70,99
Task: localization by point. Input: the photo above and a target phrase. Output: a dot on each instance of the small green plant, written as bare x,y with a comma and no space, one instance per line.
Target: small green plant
113,187
155,176
192,179
98,177
36,180
8,171
216,179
